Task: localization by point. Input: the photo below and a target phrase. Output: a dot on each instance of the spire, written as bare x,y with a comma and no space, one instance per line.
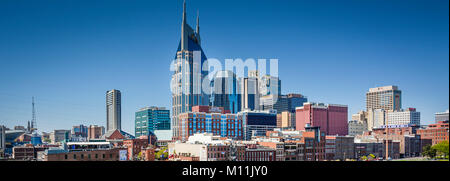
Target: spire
184,37
197,30
184,12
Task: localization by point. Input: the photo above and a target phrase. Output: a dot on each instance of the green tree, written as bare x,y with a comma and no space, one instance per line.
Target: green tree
162,154
140,156
429,151
441,148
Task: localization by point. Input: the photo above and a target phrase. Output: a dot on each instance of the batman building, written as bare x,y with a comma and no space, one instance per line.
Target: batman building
187,77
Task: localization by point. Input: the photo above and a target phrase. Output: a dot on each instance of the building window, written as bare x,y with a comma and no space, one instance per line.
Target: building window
65,156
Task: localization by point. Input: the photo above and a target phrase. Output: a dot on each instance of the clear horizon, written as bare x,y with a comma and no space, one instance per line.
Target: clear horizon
67,54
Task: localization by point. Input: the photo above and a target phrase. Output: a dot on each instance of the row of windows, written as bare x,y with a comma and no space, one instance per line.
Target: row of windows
88,156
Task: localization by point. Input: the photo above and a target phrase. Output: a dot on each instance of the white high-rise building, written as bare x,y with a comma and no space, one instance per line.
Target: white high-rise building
375,118
404,117
250,91
269,85
113,110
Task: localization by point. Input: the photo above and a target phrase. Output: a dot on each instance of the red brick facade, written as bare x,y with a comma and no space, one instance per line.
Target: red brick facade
436,132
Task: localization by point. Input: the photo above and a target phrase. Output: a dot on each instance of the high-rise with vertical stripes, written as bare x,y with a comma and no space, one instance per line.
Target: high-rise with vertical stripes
113,110
186,83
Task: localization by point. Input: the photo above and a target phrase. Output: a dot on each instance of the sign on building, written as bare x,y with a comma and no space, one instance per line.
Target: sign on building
123,155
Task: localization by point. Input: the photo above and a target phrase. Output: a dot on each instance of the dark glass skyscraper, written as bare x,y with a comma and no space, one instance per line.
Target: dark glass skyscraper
188,75
226,91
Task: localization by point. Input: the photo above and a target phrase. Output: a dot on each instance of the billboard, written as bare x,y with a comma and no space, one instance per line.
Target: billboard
123,156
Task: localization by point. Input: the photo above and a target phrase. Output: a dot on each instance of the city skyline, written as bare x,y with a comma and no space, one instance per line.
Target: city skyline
131,60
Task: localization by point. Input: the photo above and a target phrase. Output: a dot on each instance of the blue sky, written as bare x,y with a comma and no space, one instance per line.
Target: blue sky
69,53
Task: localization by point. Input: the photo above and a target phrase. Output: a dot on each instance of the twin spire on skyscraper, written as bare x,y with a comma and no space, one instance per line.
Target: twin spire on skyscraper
187,32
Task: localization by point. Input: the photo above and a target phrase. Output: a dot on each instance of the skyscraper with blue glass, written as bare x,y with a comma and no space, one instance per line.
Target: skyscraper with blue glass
226,92
149,119
186,83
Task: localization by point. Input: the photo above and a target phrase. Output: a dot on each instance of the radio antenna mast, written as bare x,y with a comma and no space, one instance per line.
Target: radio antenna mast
33,118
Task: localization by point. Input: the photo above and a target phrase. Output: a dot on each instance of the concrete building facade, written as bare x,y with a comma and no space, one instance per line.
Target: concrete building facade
387,98
441,116
95,131
403,117
113,110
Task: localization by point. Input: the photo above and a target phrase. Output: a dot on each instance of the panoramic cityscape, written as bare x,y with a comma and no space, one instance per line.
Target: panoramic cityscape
233,109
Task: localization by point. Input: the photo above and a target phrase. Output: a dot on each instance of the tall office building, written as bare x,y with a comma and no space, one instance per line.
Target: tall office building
285,106
113,110
226,91
274,102
187,77
387,98
283,102
249,91
296,100
269,85
150,119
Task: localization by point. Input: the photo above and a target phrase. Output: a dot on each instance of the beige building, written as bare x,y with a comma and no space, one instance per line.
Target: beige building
361,116
286,119
376,118
204,146
358,124
113,110
95,131
387,98
58,136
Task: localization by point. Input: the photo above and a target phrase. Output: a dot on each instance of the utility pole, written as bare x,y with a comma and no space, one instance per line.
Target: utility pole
387,142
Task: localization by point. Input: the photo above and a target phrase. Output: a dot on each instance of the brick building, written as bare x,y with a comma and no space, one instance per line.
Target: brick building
26,152
339,147
332,119
436,132
92,155
134,147
95,132
260,153
213,120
